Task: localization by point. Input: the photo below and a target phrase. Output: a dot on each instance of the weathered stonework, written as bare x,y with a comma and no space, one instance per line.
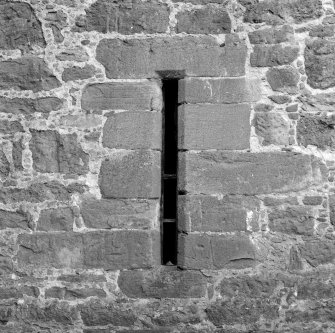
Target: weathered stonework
82,151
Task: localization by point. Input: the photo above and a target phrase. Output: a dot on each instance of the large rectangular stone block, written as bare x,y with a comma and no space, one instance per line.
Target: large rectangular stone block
209,213
120,214
131,96
133,174
133,130
248,173
196,56
219,90
214,126
202,251
105,250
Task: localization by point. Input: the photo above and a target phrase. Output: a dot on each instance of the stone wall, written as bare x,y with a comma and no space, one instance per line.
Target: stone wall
80,166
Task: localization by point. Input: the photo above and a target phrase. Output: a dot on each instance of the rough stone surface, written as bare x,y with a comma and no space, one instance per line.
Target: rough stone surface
133,130
73,54
126,18
162,283
276,55
19,27
214,126
320,63
13,220
124,96
316,130
106,250
53,152
131,175
208,213
271,35
292,220
195,56
119,214
317,102
78,73
229,173
29,106
273,128
318,251
283,79
56,219
218,91
276,12
201,251
207,20
332,209
10,127
73,294
27,73
17,151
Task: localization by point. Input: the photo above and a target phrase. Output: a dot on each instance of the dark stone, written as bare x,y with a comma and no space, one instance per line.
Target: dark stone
10,219
135,174
27,106
119,214
316,130
206,20
332,209
277,12
78,73
320,63
272,35
163,283
280,99
318,251
126,18
17,151
229,172
274,55
292,220
283,79
53,152
322,31
10,127
312,200
19,27
73,294
4,165
27,73
195,56
56,21
56,219
96,313
77,53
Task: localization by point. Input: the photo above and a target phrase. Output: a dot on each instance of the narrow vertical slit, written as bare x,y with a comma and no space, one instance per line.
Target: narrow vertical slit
169,172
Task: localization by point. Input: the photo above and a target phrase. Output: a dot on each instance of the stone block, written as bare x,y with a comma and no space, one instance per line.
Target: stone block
277,12
27,106
73,294
27,73
4,165
284,79
77,54
166,282
218,91
17,151
320,63
135,174
332,209
274,55
98,313
272,128
272,35
78,73
201,251
316,130
120,214
10,127
103,250
214,126
230,172
206,20
318,252
144,96
201,213
292,221
53,152
195,56
19,27
126,18
9,219
133,130
56,219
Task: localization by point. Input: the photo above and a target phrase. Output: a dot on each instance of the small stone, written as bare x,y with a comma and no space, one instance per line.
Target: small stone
272,35
312,200
280,99
75,54
10,127
56,219
78,73
292,108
